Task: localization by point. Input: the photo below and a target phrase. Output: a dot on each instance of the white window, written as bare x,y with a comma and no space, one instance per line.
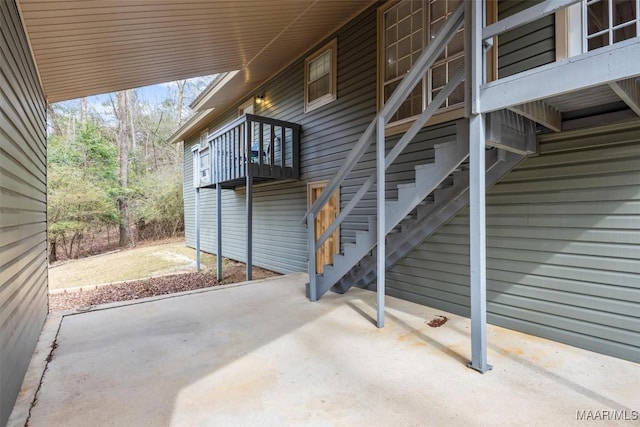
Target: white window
405,29
201,161
205,166
606,22
196,166
320,72
204,135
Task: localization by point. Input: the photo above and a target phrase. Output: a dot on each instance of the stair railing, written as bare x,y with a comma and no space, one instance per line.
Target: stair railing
377,126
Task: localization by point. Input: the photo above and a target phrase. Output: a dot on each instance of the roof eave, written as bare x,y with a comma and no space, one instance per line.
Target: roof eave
192,126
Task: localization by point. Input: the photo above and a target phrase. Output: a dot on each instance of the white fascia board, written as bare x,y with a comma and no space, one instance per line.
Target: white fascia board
601,66
191,125
215,88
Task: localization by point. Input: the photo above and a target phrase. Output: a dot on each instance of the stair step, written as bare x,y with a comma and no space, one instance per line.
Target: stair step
338,259
437,194
424,210
424,166
443,145
448,200
348,248
365,238
407,185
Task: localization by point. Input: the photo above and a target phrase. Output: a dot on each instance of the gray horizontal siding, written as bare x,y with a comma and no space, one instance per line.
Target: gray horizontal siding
329,132
561,259
23,263
526,47
563,254
278,236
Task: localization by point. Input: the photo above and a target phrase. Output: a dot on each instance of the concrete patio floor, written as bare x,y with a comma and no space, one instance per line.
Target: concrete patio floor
262,354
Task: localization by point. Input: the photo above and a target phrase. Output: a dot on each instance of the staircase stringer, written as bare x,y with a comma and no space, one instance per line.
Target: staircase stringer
448,157
400,245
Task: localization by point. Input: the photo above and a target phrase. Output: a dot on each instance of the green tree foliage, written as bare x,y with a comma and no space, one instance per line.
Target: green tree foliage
84,185
81,186
158,209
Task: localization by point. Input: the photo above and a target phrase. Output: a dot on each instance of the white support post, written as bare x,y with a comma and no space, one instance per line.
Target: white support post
197,229
219,231
477,189
380,168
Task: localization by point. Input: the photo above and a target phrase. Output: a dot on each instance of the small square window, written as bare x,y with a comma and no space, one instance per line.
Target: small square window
609,21
320,71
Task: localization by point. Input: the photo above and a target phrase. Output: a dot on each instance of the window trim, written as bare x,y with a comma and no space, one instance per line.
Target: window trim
201,146
399,126
207,168
584,35
443,115
195,177
204,135
332,46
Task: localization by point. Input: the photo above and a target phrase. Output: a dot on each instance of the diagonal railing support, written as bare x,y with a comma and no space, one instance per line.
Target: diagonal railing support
377,128
408,83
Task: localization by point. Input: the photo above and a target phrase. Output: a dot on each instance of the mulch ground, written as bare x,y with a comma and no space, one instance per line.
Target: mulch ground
133,290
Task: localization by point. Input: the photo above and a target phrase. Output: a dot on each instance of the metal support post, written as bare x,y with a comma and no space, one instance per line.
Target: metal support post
249,201
249,224
311,238
477,189
219,231
380,168
197,229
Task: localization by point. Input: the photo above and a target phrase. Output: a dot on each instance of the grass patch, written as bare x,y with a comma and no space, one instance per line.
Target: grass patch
129,264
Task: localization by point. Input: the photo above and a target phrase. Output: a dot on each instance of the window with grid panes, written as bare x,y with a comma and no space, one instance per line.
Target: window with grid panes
610,21
407,28
320,77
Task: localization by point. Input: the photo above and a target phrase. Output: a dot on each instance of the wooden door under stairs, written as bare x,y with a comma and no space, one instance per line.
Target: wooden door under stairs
325,217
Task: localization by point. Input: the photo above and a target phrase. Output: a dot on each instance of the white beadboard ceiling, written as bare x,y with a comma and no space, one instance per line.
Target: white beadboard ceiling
87,47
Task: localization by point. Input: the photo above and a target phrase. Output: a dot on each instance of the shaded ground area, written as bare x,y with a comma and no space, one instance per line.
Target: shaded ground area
140,272
105,239
140,262
68,300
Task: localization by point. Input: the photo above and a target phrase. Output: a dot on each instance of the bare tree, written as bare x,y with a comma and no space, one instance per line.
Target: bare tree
83,110
180,101
122,115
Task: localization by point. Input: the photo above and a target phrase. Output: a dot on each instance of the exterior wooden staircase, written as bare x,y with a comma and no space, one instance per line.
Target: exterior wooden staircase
448,198
439,190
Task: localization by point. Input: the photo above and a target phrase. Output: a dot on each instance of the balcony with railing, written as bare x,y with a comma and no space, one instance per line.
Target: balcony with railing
251,147
594,80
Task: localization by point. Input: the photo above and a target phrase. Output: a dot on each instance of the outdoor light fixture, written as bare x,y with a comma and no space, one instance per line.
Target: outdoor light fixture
260,99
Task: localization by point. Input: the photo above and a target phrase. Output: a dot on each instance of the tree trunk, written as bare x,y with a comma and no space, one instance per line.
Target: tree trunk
83,111
181,85
53,256
123,146
54,120
132,129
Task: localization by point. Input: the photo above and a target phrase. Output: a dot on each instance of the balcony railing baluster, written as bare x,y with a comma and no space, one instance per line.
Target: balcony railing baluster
241,143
